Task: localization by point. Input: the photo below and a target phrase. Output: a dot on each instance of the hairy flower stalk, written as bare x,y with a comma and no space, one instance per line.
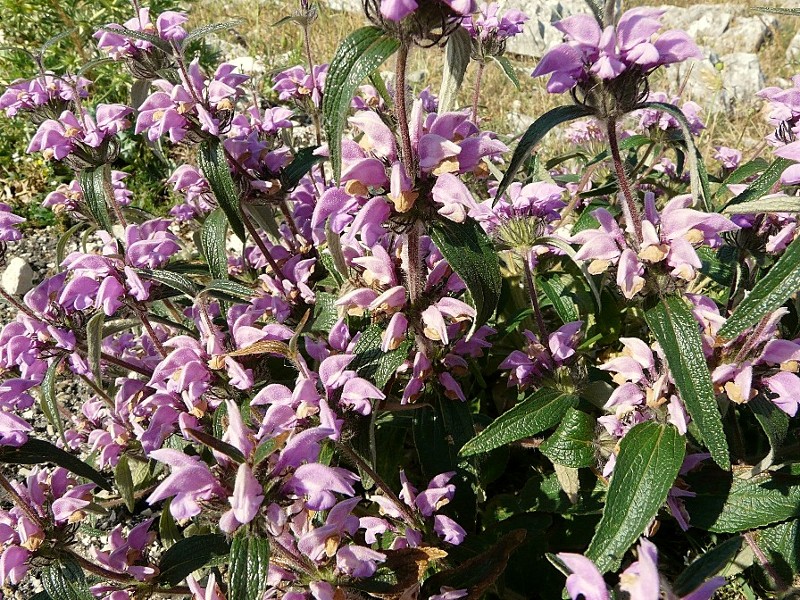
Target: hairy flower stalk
632,214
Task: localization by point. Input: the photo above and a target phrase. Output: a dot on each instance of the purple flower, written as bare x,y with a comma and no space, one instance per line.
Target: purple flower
189,483
169,24
486,23
607,53
397,10
584,580
319,483
13,564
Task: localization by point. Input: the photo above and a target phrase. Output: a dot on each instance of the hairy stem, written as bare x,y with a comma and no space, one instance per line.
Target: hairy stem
476,94
401,107
764,561
631,210
537,311
261,245
352,456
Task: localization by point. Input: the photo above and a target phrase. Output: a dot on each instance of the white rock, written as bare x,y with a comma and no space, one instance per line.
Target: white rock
17,278
746,34
793,50
539,35
249,65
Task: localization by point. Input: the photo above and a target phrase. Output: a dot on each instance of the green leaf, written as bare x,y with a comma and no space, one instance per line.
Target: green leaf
569,251
176,281
781,543
728,503
697,169
572,444
200,32
534,134
325,312
539,411
214,165
648,462
189,554
168,530
357,56
745,171
769,293
677,332
64,580
229,288
124,480
371,362
555,291
34,452
213,238
139,35
249,563
709,564
225,448
763,185
508,69
49,403
93,185
94,339
777,204
470,253
778,10
440,431
458,51
304,159
61,246
775,424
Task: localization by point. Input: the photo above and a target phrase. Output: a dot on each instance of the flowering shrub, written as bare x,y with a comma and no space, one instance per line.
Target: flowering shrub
405,361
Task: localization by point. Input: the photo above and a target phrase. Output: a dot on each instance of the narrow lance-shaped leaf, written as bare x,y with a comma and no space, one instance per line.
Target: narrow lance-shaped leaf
34,452
94,193
541,410
471,254
708,565
775,424
508,69
457,55
176,281
357,56
648,462
124,481
49,403
304,159
534,134
762,185
214,166
94,340
678,334
213,242
768,294
249,566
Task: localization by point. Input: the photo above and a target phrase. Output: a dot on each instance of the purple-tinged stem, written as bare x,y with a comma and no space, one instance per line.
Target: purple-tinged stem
537,311
476,94
401,108
631,210
21,503
765,563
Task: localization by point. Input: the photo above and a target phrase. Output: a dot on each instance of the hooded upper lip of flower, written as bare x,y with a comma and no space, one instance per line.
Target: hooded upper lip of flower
607,53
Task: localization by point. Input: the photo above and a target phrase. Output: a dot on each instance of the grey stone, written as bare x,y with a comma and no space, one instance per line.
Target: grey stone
539,34
719,83
249,65
793,49
17,278
746,34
